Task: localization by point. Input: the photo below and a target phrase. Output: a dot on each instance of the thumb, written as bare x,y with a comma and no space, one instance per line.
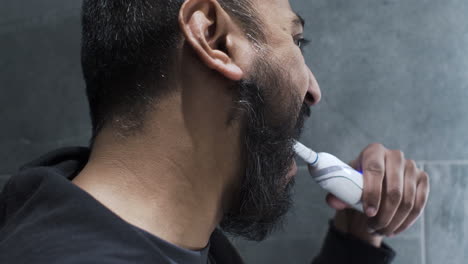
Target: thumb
336,203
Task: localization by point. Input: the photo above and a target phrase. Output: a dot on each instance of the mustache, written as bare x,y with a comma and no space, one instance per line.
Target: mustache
305,110
304,113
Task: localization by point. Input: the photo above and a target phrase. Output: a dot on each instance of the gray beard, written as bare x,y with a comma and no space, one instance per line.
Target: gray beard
264,196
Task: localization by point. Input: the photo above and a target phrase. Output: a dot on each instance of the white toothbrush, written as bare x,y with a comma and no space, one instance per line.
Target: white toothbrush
333,175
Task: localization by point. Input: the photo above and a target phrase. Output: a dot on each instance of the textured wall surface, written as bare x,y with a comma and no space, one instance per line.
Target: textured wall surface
391,71
43,104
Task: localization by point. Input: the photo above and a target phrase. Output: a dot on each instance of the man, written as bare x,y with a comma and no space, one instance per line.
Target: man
195,107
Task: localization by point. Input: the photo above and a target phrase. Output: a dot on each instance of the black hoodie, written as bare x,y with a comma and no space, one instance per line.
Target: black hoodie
45,218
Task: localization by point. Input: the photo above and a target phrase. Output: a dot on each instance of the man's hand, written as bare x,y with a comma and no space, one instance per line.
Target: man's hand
395,194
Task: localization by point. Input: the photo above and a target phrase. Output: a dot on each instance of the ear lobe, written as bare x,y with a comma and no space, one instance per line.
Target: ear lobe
205,26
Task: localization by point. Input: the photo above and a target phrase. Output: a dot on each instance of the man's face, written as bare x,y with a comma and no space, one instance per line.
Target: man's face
273,102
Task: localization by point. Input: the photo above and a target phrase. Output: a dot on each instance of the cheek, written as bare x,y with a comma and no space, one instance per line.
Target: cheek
299,72
292,62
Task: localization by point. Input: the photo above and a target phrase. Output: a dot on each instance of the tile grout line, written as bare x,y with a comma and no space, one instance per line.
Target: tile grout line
423,229
444,162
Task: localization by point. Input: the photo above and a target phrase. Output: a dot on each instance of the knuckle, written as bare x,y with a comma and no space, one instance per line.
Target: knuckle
372,148
367,151
411,169
424,177
411,164
394,196
375,167
376,145
398,154
424,184
402,155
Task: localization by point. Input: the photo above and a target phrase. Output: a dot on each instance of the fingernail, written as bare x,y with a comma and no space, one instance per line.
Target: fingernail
371,211
370,230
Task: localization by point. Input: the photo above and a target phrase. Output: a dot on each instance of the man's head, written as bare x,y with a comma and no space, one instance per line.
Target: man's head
135,51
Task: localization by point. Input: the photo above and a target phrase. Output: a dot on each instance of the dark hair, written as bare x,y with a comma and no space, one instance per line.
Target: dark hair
126,54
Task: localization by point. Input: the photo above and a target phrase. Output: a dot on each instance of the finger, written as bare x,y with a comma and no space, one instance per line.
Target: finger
335,202
393,191
422,194
373,167
355,164
408,200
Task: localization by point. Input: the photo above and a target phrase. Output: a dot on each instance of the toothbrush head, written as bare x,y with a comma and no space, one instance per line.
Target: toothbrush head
305,153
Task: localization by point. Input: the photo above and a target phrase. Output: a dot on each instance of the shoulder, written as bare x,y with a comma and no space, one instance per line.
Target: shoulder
78,251
50,240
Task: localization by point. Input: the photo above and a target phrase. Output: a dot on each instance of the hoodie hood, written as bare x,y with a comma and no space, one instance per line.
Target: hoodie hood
62,165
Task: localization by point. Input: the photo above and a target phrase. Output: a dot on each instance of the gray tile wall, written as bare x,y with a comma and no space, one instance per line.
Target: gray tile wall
391,71
446,229
43,104
3,180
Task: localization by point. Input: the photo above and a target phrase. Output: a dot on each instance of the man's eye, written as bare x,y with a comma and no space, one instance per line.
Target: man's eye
302,42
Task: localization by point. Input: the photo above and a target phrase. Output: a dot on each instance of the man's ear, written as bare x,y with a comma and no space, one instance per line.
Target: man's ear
210,32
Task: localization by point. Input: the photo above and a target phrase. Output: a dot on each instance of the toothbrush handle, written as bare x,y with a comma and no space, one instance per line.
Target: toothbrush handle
344,187
339,179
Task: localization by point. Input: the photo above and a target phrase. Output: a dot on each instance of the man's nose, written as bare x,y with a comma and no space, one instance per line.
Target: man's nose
313,94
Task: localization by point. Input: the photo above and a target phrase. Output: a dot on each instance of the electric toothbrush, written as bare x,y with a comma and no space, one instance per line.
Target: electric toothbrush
333,175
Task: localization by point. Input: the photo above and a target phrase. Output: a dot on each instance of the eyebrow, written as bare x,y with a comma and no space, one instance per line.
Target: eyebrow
298,20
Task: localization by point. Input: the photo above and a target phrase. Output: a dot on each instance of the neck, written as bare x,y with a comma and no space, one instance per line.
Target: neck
174,179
